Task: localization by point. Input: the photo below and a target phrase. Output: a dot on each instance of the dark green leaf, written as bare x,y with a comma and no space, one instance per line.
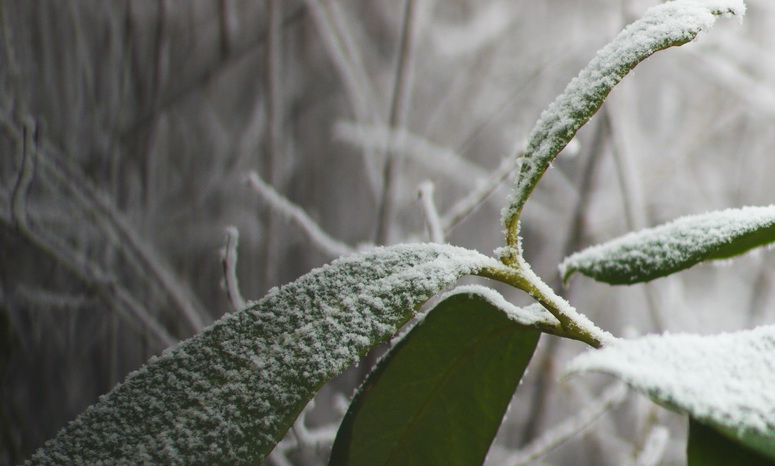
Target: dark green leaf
678,245
709,447
726,381
227,395
439,395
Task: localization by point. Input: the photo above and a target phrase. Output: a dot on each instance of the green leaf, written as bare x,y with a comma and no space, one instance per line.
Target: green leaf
709,447
666,25
439,395
657,252
724,381
227,395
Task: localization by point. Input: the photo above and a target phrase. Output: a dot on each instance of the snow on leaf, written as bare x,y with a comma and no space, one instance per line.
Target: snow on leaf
722,380
666,25
657,252
231,392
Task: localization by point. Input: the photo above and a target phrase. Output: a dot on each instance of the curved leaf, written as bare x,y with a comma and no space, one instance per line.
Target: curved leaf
708,447
439,395
657,252
230,393
666,25
725,381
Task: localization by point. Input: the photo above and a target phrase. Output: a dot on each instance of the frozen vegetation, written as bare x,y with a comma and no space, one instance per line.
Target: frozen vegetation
342,147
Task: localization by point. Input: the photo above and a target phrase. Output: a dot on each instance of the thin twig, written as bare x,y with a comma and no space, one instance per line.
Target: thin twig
91,275
296,214
545,366
471,201
425,193
632,198
274,129
560,433
21,189
345,57
396,120
116,225
229,265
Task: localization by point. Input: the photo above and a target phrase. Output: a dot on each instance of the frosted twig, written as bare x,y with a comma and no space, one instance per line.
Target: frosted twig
630,184
343,52
291,211
735,80
654,447
477,196
229,265
431,155
91,274
425,193
554,437
392,159
304,437
126,239
26,173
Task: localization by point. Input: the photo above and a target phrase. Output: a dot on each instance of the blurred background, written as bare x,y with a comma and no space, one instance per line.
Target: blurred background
128,130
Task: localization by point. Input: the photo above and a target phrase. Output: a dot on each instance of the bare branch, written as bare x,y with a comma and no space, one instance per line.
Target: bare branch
296,214
229,265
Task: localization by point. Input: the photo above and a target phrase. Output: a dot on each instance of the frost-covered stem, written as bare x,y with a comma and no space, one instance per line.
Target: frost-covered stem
138,252
293,212
570,427
396,120
666,25
343,51
574,325
229,265
274,128
477,196
425,193
632,194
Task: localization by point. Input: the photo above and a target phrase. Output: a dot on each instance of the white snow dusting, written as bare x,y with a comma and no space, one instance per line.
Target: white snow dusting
669,24
534,315
229,394
655,252
724,379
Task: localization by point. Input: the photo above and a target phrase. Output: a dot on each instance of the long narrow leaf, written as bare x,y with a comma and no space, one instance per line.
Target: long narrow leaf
666,249
666,25
439,395
725,381
227,395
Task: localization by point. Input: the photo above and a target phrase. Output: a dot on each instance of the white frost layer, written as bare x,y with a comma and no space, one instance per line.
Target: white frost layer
228,394
530,316
670,247
726,379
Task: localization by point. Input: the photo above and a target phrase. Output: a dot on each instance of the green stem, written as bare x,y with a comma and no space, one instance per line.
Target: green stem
573,325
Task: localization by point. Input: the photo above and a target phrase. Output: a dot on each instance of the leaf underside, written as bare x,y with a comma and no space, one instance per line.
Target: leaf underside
725,381
227,395
657,252
708,447
438,397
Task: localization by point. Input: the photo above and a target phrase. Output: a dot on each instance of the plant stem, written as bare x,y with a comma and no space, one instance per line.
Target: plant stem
574,325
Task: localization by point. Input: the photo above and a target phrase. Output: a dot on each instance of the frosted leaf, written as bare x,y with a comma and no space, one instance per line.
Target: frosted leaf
533,315
666,25
724,380
231,392
657,252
